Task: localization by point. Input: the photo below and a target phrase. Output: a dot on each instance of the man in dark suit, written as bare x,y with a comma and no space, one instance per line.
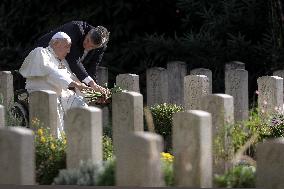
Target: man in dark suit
86,52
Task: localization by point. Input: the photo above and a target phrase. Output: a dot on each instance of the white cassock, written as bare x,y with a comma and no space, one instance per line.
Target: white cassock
43,71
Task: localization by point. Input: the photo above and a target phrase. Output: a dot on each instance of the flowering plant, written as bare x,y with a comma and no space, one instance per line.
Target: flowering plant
240,176
50,153
167,166
163,121
99,98
89,174
167,157
275,126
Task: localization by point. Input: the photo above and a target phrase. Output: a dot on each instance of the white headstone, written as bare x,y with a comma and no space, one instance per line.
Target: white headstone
221,107
102,75
43,106
203,71
236,85
138,162
176,72
17,157
279,73
270,97
84,136
270,167
192,148
127,116
6,88
195,87
2,116
234,65
157,86
128,82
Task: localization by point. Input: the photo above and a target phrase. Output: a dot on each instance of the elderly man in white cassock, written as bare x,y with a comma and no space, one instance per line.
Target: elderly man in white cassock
47,69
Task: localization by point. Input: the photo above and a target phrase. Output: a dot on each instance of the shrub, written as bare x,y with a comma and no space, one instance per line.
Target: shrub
268,126
167,167
162,117
89,174
245,135
85,175
106,177
274,126
107,148
50,153
240,176
259,126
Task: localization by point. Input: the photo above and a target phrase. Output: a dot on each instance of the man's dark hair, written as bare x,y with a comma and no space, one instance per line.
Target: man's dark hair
99,35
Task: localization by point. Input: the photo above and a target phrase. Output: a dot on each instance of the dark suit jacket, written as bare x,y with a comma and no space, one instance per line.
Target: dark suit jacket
77,30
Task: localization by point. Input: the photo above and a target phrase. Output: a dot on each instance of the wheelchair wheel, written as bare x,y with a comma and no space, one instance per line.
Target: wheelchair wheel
21,112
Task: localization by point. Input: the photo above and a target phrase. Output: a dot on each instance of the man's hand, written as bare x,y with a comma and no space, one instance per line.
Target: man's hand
99,88
79,85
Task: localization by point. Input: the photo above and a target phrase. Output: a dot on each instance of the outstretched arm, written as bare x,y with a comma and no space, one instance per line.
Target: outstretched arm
92,60
76,66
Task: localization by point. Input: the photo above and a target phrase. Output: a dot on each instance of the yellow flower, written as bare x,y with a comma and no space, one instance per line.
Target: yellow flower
42,139
52,146
40,132
167,157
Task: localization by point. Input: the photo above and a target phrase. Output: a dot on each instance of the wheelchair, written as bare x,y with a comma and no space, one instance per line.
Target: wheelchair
20,107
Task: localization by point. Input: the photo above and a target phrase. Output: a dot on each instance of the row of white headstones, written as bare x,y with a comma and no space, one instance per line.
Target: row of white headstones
138,152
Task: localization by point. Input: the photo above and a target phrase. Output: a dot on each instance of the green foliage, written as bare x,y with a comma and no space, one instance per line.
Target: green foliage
85,175
106,177
240,176
107,148
222,146
162,117
241,132
89,174
268,126
167,167
129,22
98,98
115,89
274,127
211,34
50,153
245,135
239,135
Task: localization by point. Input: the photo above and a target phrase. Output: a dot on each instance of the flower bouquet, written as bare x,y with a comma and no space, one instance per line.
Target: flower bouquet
98,98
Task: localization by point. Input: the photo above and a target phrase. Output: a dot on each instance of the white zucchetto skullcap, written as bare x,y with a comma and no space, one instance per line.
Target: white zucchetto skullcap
61,35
